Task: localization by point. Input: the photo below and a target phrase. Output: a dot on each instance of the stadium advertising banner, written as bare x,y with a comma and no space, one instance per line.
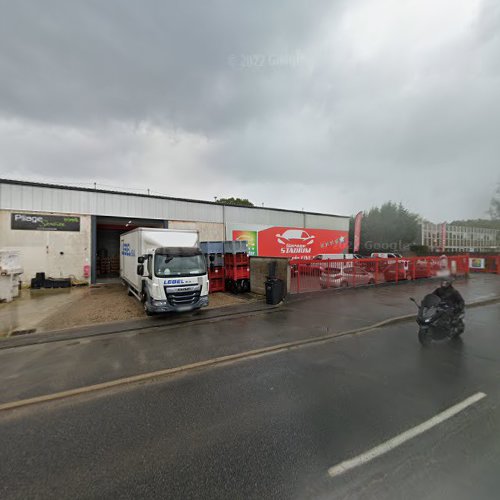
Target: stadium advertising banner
289,242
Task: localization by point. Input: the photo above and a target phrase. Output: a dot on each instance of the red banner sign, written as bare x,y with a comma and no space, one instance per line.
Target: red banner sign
300,243
357,232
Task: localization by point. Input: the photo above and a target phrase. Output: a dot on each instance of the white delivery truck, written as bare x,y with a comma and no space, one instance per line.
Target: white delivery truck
164,269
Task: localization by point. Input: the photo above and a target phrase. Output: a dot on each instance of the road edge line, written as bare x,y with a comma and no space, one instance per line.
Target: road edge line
403,437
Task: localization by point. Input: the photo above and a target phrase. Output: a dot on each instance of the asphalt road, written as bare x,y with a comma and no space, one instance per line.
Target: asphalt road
271,427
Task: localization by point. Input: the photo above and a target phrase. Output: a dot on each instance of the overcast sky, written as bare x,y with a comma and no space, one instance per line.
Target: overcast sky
322,106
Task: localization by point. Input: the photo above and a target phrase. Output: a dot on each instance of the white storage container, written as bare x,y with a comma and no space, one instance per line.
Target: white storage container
10,271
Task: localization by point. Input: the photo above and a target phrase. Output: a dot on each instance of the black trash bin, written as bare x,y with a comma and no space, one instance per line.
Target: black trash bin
274,291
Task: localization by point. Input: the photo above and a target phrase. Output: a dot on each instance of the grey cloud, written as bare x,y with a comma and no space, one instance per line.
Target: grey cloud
159,61
129,91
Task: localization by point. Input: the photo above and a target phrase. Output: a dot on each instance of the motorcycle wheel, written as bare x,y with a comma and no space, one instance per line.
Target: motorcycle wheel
424,337
458,330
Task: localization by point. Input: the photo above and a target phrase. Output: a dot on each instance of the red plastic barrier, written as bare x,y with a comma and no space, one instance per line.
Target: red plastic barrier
311,275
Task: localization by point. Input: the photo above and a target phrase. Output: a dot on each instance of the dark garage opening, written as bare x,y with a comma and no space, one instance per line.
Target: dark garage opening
106,260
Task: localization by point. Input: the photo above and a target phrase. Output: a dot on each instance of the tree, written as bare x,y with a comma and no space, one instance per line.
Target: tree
486,223
390,228
495,205
234,201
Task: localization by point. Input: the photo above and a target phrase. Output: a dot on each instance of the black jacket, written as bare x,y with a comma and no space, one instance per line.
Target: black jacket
451,296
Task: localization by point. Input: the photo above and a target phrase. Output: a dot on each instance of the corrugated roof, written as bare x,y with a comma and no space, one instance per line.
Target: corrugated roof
161,197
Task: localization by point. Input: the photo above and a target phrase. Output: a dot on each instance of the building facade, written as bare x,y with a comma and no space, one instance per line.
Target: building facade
450,238
71,231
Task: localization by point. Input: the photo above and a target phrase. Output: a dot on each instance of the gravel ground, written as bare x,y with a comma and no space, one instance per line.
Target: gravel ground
111,303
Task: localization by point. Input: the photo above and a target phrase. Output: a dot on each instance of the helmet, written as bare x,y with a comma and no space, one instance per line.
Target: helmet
446,282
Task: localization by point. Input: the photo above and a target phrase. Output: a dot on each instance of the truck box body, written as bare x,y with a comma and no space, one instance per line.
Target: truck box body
165,284
142,240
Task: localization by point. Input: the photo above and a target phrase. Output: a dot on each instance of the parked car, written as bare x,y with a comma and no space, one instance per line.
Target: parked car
310,269
390,258
381,255
400,270
337,256
424,269
345,276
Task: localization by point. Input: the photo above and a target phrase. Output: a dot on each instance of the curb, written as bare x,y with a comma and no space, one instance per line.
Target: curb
216,361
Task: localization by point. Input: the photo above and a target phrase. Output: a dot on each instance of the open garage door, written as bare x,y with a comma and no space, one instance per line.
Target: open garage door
106,258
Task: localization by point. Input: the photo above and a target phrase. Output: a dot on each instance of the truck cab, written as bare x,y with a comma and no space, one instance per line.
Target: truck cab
173,279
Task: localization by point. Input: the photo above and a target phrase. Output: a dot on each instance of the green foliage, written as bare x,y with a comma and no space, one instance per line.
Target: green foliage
235,201
388,228
486,223
495,205
420,249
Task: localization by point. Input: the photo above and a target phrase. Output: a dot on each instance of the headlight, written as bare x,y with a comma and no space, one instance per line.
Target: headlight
159,302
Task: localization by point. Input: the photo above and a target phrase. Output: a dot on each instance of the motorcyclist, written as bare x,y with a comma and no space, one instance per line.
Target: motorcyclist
451,297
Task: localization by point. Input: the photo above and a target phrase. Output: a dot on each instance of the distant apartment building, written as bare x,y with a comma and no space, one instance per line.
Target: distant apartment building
449,238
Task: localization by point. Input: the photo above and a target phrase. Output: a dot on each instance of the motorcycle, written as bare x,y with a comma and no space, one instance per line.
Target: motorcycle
437,320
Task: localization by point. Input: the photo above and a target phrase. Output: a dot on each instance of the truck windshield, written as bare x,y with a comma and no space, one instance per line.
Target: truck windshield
179,265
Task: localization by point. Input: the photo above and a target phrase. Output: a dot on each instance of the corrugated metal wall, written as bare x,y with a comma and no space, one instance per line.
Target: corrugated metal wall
51,199
327,222
45,199
264,216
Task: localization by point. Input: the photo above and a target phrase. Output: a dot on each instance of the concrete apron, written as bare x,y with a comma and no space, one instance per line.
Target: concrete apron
33,306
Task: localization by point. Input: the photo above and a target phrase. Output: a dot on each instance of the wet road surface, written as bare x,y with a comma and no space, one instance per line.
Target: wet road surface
271,427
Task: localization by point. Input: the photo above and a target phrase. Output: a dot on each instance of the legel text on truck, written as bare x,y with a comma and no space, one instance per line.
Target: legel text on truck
164,269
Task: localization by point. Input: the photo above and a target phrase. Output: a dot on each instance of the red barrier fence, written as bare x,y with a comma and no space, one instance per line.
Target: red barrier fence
311,275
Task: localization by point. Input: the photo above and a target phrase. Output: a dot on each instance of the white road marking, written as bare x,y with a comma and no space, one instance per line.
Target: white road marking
379,450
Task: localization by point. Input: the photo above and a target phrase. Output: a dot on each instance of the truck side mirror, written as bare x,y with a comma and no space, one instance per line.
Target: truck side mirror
140,268
140,259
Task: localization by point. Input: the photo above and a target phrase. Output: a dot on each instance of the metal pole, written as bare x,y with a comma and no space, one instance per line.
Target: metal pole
93,248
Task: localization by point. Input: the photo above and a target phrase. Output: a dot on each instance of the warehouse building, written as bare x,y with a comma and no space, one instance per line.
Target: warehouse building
72,231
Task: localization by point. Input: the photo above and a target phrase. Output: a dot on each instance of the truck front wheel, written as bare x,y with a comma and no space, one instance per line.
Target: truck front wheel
145,300
146,310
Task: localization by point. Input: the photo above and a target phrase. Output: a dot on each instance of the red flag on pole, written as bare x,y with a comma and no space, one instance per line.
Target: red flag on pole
357,231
